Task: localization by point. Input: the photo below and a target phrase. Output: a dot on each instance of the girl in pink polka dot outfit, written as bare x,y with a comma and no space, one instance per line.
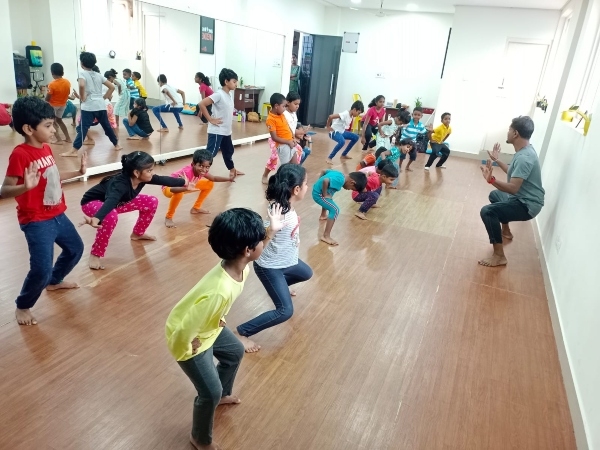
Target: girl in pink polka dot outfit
118,194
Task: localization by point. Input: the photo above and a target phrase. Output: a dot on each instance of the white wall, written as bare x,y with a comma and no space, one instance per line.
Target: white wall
407,47
8,91
20,25
567,226
474,62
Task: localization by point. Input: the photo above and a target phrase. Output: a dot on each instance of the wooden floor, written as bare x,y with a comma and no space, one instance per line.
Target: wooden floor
193,135
400,340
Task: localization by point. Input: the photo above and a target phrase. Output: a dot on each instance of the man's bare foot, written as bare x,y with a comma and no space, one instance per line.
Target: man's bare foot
345,157
70,154
249,346
118,147
169,223
329,241
361,215
198,446
133,138
322,217
329,161
62,285
163,130
143,237
94,263
199,211
89,141
230,400
24,317
494,261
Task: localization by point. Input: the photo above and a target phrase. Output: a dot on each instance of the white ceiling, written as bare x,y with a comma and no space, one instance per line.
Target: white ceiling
447,6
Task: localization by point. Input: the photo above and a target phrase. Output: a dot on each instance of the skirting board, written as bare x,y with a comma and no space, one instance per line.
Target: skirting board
574,408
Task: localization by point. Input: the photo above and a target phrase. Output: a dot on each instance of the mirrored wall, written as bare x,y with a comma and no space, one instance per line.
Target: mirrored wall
152,41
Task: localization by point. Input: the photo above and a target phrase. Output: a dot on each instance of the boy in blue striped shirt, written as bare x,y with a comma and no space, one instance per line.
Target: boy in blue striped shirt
133,91
411,131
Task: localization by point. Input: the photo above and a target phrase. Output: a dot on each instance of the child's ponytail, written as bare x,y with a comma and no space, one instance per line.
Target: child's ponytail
282,184
375,100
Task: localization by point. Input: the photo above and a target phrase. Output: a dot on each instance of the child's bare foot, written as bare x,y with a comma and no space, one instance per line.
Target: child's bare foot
24,317
329,241
391,187
181,128
94,263
323,217
118,147
249,346
506,233
198,446
143,237
57,143
375,206
361,215
494,261
68,141
345,157
408,170
199,211
89,141
230,400
133,138
163,130
329,161
62,285
169,223
265,180
238,172
72,153
293,293
145,138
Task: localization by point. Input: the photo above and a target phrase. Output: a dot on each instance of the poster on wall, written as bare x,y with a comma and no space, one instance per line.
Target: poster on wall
350,42
207,35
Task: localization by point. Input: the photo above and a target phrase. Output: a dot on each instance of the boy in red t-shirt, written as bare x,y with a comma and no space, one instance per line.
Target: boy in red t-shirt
33,179
385,173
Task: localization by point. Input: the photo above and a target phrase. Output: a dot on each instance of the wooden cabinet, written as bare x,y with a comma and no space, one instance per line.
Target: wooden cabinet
246,99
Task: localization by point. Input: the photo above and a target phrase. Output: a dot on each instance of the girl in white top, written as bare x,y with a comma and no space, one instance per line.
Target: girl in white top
174,101
279,266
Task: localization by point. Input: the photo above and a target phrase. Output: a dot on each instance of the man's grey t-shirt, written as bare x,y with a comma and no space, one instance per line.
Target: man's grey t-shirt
222,108
94,100
526,165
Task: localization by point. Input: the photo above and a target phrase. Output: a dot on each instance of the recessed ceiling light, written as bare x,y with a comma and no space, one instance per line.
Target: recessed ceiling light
355,1
353,9
412,7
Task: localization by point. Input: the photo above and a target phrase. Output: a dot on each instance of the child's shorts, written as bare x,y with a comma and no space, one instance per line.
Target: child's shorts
285,153
332,209
59,111
412,154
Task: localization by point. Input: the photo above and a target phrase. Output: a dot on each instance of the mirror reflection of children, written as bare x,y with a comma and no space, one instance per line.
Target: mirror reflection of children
137,123
174,101
330,182
196,329
57,96
197,173
120,193
411,131
205,91
339,126
438,145
384,174
122,107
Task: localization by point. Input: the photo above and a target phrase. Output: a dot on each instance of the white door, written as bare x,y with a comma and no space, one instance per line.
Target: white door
516,95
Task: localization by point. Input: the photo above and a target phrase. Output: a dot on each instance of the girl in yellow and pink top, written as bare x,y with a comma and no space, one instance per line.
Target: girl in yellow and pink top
371,119
198,173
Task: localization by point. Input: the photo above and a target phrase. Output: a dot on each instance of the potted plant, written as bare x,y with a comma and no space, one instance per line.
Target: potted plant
418,102
241,81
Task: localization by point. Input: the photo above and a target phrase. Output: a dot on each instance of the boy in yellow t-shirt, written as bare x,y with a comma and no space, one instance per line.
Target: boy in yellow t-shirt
135,76
195,328
439,147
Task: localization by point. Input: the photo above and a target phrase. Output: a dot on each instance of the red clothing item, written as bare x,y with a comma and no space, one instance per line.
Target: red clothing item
373,183
5,118
207,90
374,116
46,200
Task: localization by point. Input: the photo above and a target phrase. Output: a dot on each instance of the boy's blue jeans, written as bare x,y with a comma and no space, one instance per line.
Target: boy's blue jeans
341,139
41,237
134,129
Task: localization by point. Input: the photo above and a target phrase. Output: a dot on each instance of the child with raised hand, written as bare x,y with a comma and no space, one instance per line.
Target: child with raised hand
57,96
174,101
329,182
32,178
279,266
371,119
339,125
438,145
198,175
284,147
220,120
385,173
196,328
137,123
118,194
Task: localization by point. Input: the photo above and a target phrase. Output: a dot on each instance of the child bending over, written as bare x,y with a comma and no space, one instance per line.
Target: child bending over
118,194
279,266
329,183
414,129
196,329
394,154
370,159
339,126
198,175
438,143
32,178
384,174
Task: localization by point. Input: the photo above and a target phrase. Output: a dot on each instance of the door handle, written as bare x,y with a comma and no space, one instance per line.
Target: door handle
331,85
